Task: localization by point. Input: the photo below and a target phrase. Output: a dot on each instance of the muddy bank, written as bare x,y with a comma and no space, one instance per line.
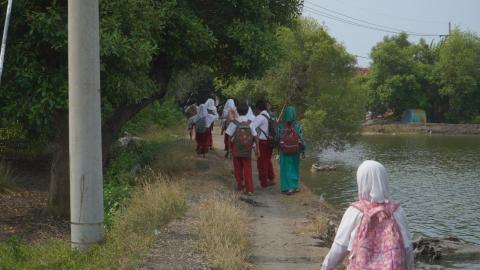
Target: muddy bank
392,128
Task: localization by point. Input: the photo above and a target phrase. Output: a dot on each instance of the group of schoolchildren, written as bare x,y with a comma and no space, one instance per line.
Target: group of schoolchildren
246,132
373,232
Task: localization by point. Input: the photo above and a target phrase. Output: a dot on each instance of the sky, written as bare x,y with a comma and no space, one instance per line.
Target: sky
417,16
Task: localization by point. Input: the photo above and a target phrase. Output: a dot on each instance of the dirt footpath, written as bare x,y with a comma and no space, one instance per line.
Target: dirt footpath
279,228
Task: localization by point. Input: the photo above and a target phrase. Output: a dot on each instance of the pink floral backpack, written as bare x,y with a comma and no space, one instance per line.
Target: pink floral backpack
378,244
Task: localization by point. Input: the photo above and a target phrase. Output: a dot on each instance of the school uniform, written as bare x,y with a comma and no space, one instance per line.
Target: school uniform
212,110
264,162
242,165
229,110
202,139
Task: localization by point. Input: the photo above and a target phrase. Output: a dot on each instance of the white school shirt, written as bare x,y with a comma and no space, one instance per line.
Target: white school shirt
261,123
232,127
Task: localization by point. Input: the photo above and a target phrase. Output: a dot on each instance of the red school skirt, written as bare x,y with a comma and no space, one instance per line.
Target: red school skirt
203,141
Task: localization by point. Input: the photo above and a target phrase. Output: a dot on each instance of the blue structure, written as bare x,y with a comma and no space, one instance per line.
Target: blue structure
414,116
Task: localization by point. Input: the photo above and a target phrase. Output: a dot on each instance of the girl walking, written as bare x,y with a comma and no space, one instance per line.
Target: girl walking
291,147
374,230
202,122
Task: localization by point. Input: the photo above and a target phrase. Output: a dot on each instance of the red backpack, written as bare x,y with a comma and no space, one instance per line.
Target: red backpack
290,142
242,139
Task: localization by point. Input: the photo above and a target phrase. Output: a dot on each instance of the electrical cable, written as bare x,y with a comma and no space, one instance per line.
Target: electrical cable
359,22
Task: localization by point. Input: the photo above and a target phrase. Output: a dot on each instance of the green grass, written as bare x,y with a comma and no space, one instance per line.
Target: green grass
136,202
132,233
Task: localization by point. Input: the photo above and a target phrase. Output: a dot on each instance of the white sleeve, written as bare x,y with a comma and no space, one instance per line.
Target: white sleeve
401,219
231,129
334,257
253,129
348,225
191,121
409,257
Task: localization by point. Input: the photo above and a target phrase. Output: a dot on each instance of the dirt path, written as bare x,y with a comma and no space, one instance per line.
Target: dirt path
278,236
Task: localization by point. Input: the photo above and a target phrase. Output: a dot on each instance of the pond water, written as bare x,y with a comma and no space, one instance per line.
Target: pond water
436,178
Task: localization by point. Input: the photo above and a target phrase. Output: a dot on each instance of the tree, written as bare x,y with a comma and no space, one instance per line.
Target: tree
458,73
315,75
395,81
144,44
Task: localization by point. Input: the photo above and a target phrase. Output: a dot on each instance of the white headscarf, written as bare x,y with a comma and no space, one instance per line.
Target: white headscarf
210,103
250,114
372,181
230,104
202,111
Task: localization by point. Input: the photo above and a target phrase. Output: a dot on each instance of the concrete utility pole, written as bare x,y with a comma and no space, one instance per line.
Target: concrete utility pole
4,36
86,179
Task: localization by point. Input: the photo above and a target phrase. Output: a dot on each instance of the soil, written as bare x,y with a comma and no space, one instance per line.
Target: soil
22,212
280,232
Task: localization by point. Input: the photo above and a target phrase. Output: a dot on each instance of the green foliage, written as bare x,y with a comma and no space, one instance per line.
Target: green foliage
476,120
442,79
143,43
395,81
315,75
457,71
164,115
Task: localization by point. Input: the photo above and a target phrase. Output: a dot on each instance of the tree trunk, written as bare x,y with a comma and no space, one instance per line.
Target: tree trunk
59,190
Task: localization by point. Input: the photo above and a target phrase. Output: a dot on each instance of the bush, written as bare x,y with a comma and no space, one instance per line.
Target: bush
166,114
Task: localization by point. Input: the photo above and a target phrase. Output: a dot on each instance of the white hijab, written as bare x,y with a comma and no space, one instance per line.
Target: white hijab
250,114
203,112
230,104
372,181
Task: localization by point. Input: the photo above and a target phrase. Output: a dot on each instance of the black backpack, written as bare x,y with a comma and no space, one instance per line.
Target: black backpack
272,132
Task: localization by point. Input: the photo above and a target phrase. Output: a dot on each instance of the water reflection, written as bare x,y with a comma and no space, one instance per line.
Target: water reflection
436,178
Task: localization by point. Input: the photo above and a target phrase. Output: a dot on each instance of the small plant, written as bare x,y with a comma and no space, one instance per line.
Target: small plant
7,178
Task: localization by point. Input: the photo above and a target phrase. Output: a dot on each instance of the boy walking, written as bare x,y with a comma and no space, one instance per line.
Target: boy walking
244,139
263,124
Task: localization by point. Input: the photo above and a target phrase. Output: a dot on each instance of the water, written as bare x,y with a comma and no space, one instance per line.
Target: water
436,178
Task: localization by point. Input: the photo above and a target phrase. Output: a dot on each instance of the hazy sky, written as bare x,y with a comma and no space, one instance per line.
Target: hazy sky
419,16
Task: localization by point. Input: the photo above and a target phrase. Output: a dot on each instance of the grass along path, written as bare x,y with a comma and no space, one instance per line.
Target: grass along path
281,226
220,231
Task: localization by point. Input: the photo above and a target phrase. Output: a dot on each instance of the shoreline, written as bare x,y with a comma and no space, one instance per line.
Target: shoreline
398,128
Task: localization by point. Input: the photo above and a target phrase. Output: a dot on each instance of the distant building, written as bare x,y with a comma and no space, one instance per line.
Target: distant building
361,71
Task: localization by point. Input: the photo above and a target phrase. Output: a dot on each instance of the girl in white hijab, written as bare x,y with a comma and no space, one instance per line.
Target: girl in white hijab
372,182
228,115
212,110
202,122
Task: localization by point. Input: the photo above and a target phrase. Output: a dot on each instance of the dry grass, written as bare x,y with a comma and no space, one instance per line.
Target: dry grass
223,233
152,205
7,178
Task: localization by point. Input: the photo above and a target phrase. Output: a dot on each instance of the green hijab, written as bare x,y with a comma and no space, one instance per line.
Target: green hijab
289,114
